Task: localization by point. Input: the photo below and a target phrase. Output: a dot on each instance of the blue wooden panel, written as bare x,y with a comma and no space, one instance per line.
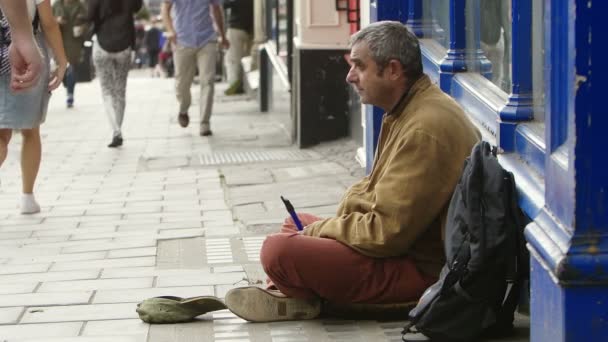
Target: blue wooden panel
530,147
468,90
566,313
591,163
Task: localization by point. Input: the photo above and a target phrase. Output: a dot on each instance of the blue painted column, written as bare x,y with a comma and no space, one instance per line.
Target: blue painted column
463,55
520,106
380,10
569,239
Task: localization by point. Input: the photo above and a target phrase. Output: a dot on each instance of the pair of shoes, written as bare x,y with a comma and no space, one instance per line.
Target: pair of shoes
116,141
70,102
170,309
235,88
205,130
255,304
183,119
29,204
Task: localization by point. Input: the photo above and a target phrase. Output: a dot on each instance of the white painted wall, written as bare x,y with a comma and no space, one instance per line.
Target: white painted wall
319,25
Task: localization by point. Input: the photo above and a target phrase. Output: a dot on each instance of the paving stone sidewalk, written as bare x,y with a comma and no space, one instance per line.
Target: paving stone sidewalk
169,213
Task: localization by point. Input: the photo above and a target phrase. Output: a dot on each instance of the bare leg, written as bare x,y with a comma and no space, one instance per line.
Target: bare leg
5,137
30,158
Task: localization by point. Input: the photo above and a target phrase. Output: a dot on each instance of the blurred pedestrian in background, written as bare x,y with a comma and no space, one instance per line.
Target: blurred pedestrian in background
26,110
196,45
71,16
240,35
114,26
152,41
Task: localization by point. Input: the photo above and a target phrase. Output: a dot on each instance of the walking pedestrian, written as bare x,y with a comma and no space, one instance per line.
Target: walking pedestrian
113,23
26,110
240,35
194,34
71,16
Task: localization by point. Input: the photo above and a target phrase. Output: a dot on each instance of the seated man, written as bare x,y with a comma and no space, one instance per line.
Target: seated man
385,243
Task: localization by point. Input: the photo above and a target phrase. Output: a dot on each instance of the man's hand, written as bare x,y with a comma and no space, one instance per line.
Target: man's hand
290,227
26,62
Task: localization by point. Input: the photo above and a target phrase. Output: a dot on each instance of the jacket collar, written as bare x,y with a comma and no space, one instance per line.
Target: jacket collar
422,83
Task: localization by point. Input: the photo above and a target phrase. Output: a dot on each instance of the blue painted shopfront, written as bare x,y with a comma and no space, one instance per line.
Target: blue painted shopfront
546,112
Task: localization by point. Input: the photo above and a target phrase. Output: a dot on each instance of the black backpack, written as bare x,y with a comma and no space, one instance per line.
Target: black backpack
487,262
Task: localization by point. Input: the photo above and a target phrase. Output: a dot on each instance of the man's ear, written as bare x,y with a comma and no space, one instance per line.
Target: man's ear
395,69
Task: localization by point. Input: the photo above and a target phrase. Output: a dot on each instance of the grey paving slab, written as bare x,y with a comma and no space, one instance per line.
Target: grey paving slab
10,315
137,295
111,263
246,176
180,233
200,279
93,312
22,332
188,332
116,327
21,287
181,253
31,268
127,272
49,276
43,299
23,234
106,246
310,170
196,223
132,252
22,260
128,338
213,231
34,241
96,284
64,232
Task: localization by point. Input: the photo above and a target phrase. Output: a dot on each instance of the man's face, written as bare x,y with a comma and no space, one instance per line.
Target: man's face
365,78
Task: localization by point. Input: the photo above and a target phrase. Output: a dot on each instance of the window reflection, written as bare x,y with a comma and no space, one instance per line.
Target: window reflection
495,36
439,12
538,59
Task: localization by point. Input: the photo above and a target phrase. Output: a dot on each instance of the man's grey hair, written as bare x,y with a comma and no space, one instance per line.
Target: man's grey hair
388,40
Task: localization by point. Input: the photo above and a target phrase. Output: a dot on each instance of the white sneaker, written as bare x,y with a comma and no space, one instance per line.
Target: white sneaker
29,204
258,305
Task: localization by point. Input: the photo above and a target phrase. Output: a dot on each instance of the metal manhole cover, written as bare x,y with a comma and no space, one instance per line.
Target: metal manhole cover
243,157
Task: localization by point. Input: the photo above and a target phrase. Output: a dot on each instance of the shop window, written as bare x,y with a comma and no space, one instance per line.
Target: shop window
439,12
494,36
538,59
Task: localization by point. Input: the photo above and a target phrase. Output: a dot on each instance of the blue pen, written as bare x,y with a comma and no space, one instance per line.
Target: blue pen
292,212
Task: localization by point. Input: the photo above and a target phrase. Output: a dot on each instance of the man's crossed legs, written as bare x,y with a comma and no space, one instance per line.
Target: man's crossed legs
307,271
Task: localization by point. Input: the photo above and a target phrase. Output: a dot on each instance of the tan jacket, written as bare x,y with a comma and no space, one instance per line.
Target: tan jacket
401,206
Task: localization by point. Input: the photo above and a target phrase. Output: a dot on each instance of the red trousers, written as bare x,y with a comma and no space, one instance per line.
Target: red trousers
306,267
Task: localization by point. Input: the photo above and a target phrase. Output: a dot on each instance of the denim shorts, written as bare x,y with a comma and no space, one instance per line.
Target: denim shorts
27,109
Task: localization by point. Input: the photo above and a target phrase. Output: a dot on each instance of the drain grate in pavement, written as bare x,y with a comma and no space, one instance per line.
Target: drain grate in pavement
242,157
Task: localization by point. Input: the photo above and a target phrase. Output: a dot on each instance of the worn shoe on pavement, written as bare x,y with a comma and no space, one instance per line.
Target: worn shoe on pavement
205,130
116,141
183,119
255,304
170,309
